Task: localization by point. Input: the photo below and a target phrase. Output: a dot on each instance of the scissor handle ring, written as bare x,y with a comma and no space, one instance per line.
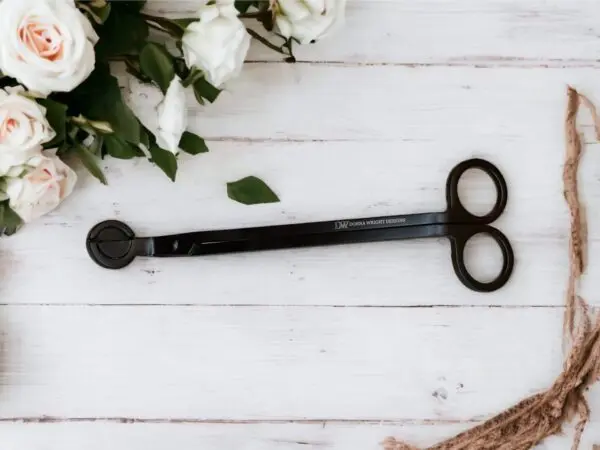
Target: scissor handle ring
459,236
456,211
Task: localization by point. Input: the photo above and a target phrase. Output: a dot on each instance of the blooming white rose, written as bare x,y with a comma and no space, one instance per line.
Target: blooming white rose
218,43
46,183
172,117
23,129
308,20
47,45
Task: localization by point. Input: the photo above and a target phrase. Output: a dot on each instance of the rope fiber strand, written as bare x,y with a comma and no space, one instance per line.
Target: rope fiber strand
540,416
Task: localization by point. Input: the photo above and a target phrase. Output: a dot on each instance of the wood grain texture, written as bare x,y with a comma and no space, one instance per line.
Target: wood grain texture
453,107
390,154
466,32
276,363
293,436
330,348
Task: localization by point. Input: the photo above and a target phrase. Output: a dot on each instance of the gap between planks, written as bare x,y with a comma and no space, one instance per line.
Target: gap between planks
191,421
261,305
484,62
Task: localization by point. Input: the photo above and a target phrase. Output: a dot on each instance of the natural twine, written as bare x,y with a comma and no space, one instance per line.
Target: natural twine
530,421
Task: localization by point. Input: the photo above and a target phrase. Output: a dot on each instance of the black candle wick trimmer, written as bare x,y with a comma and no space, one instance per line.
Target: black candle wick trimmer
113,245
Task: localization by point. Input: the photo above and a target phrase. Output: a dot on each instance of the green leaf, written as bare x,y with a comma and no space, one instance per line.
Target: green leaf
145,138
266,18
124,32
98,14
89,161
56,113
175,28
192,77
10,222
100,98
64,149
251,191
192,144
133,68
118,148
165,160
184,22
135,5
203,89
6,81
157,64
103,13
244,5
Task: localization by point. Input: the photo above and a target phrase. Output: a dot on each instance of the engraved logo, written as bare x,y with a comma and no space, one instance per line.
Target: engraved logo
349,224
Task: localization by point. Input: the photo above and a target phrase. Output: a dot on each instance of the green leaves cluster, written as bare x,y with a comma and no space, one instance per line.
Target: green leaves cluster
124,31
124,35
94,122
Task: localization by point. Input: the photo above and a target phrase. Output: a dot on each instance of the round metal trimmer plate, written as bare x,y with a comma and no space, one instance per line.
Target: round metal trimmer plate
111,244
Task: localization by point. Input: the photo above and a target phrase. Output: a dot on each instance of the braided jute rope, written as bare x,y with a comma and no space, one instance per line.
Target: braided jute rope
535,418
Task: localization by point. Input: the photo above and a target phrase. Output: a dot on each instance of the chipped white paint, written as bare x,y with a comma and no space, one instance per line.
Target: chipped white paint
253,363
318,348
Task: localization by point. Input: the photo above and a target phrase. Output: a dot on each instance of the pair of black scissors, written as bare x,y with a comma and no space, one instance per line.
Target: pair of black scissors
113,245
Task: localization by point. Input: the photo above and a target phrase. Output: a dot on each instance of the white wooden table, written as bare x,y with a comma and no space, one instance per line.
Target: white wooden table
329,348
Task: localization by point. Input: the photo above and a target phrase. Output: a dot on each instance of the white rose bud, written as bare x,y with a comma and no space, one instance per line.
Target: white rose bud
308,20
172,117
23,129
164,115
218,43
46,183
47,45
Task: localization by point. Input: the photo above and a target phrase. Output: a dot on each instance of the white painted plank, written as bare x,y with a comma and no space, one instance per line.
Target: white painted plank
491,32
283,363
391,154
102,436
453,107
316,181
391,274
380,142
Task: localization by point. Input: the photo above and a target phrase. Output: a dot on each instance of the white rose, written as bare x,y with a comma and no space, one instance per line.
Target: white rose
46,183
218,43
172,117
47,45
164,115
23,129
308,20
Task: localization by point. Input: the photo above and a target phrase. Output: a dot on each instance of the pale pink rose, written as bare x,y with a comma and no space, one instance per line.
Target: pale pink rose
45,184
23,128
47,45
